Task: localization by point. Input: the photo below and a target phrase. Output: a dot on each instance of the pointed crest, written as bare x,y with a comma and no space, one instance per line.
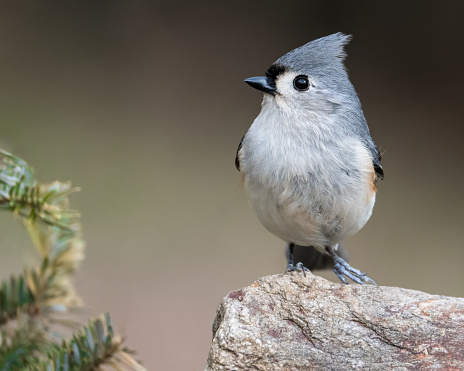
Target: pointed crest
324,52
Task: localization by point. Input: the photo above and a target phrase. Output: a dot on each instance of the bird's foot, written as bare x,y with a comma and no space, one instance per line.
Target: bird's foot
342,268
299,267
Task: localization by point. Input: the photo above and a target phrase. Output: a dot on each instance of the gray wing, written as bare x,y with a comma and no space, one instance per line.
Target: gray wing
237,160
376,160
365,135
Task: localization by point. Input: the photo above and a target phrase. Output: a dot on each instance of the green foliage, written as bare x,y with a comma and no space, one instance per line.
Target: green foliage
22,341
29,301
90,348
22,194
14,294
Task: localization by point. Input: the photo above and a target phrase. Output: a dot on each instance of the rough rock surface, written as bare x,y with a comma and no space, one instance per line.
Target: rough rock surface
292,322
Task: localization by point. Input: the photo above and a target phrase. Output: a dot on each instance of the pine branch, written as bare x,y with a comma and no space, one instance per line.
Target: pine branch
44,210
14,294
22,341
91,347
28,301
22,194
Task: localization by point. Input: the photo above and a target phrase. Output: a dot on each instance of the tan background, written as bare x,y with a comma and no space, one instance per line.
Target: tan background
143,105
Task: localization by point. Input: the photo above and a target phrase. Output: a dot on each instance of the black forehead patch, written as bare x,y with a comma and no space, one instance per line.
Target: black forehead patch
275,70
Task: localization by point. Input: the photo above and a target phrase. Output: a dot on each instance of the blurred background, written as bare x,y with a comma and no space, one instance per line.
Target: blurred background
142,104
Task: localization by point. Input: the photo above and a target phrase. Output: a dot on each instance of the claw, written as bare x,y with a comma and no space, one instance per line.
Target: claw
342,268
299,267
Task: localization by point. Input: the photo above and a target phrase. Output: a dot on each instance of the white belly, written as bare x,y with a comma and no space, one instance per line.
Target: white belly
316,223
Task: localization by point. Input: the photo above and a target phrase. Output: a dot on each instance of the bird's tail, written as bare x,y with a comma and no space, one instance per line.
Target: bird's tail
313,259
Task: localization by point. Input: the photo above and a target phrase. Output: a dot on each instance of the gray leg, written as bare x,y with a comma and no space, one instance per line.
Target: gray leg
342,268
299,266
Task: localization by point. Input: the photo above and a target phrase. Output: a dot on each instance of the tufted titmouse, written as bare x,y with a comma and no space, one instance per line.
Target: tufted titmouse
308,161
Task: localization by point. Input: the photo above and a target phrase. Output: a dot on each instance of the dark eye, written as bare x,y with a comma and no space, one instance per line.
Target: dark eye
301,83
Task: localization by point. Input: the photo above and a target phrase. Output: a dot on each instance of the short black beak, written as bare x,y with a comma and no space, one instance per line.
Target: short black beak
264,84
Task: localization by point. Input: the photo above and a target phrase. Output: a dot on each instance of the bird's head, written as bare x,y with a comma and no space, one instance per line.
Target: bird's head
310,79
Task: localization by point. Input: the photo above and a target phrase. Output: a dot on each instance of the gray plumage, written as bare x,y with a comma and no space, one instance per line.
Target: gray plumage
308,160
324,58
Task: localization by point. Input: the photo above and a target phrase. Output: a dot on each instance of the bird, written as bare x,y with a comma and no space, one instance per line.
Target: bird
308,163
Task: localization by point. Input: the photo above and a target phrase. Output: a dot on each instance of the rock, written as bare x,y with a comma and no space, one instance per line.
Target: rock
292,322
